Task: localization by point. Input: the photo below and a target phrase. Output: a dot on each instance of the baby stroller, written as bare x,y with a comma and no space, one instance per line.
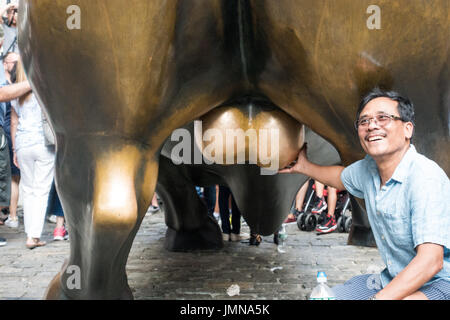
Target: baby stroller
308,221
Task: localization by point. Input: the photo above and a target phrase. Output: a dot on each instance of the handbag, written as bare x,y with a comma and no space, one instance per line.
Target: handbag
3,139
49,136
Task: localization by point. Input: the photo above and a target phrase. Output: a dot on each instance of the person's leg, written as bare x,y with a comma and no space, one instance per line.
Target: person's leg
235,217
236,234
322,204
319,189
15,179
216,208
43,178
300,197
329,224
361,287
154,207
332,200
55,208
59,222
5,178
210,199
26,163
224,194
155,201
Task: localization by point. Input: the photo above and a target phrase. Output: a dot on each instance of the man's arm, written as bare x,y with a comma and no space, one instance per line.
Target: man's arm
14,91
428,262
328,175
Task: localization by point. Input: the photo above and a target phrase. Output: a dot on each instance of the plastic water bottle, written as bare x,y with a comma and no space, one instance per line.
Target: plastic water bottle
282,236
322,291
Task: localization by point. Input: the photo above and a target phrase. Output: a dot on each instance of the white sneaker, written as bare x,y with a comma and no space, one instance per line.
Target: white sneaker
153,209
238,237
52,218
12,223
225,237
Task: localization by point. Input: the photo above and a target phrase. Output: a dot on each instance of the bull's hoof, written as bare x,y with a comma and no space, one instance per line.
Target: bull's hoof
55,292
207,237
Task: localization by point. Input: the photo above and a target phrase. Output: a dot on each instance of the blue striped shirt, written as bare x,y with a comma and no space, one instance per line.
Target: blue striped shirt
412,208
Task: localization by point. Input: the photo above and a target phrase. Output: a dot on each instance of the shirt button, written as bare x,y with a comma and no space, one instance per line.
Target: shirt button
389,262
382,237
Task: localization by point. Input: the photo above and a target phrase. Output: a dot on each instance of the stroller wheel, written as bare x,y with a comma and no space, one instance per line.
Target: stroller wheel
301,221
310,222
348,224
341,224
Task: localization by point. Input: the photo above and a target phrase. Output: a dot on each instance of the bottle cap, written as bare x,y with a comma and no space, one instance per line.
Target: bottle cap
321,277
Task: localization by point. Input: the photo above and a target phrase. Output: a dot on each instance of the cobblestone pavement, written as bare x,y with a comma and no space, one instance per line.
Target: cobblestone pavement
154,273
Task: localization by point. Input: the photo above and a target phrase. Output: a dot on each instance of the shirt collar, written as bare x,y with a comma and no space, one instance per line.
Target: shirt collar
402,170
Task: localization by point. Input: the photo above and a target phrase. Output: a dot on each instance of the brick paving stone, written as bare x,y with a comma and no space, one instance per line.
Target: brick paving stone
154,273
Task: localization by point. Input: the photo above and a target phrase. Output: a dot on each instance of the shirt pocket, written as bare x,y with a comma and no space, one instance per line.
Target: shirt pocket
398,224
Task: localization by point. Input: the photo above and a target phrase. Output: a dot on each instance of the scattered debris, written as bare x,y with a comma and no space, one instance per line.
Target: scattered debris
233,290
276,268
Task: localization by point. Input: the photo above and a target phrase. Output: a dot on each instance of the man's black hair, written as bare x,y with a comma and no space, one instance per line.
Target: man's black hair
405,106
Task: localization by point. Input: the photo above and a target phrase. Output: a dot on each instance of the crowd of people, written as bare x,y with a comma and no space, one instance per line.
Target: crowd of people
220,198
28,152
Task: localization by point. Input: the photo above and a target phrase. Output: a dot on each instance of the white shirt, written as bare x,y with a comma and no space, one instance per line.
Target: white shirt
29,130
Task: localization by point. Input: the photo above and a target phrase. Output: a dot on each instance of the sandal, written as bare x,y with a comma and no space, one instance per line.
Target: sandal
255,239
36,244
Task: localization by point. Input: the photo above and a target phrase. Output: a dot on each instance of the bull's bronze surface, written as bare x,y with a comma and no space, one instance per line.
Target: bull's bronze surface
136,70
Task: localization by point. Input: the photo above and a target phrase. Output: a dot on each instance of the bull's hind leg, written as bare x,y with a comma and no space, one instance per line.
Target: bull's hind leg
188,225
105,185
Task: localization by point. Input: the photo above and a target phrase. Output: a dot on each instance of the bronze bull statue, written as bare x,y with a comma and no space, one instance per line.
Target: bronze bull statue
128,73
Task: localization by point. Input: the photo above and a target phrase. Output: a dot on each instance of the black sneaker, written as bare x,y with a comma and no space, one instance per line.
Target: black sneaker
3,242
321,206
275,238
153,209
325,219
328,226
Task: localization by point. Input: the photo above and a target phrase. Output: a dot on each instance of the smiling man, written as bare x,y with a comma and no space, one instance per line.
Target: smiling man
402,191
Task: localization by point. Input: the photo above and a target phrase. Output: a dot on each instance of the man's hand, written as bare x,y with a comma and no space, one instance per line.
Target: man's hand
297,166
15,160
328,175
427,263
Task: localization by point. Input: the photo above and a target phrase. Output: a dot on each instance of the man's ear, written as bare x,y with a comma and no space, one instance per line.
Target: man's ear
409,130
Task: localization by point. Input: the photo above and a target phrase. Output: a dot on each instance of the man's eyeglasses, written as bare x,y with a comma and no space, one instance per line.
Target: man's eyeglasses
381,119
